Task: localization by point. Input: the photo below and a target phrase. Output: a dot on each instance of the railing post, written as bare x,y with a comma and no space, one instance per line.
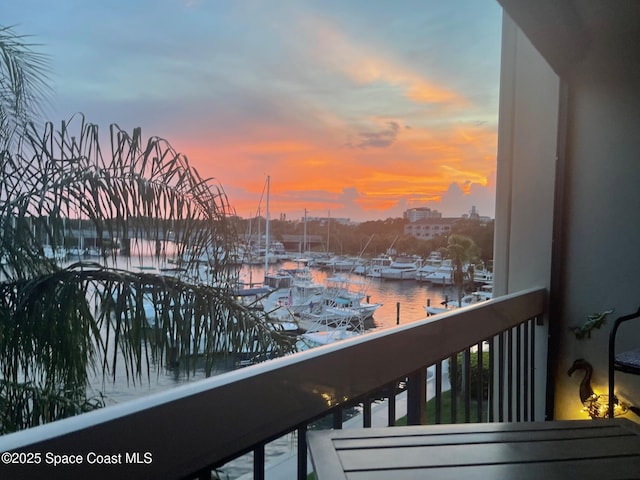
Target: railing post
337,419
466,375
391,403
525,371
366,413
302,453
453,370
438,384
491,394
510,375
501,377
258,462
204,474
532,367
417,397
519,376
480,383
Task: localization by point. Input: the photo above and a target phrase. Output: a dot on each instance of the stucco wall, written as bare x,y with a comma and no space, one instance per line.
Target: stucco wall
598,257
525,179
601,261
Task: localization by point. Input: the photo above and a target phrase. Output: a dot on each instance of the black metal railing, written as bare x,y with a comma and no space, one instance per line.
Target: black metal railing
192,430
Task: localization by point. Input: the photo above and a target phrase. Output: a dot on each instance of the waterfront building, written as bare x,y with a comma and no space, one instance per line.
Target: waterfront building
430,227
420,213
424,227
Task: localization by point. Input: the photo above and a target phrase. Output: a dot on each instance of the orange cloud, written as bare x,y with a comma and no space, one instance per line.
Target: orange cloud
308,173
366,67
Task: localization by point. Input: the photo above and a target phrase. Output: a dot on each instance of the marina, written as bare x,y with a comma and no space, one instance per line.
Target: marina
407,297
320,296
398,302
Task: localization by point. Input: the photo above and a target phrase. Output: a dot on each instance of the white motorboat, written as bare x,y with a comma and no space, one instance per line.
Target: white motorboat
75,253
443,274
402,268
342,264
429,266
325,337
292,290
376,265
343,292
482,276
328,324
59,254
93,252
485,293
342,308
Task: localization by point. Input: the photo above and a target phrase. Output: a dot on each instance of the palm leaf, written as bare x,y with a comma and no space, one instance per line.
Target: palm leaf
57,323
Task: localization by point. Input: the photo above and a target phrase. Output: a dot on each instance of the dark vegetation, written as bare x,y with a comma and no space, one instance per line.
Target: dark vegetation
377,236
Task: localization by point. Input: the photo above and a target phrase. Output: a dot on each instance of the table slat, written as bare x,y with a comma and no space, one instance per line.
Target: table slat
491,453
606,449
425,438
588,469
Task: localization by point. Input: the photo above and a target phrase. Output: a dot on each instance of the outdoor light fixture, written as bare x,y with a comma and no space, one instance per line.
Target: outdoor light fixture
596,405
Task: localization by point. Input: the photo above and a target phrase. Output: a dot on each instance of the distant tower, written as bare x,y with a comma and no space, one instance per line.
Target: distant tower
420,213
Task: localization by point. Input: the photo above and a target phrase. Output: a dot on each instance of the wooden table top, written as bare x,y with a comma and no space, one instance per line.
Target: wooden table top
567,449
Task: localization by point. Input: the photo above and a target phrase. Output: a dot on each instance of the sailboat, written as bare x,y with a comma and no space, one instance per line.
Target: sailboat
254,253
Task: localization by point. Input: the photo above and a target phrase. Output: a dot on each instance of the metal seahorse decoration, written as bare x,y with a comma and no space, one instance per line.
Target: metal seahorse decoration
595,320
595,404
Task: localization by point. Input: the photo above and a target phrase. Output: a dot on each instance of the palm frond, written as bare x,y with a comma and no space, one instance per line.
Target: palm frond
23,83
59,322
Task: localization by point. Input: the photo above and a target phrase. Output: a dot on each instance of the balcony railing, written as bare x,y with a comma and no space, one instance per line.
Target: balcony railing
188,431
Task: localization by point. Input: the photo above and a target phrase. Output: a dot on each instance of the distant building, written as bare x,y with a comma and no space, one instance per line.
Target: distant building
421,213
294,243
430,227
324,220
474,215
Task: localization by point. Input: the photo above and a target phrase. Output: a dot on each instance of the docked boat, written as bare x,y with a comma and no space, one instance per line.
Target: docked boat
443,275
342,264
93,252
376,265
429,266
482,276
325,337
328,324
343,292
402,268
342,309
482,295
278,252
292,290
58,253
485,292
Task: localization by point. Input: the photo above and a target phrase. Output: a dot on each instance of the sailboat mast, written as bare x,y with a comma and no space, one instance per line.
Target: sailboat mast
266,247
328,228
304,236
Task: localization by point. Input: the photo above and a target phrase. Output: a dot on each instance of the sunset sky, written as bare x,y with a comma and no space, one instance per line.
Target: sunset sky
360,108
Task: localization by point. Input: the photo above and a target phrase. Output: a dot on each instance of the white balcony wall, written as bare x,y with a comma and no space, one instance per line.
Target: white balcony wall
526,171
601,261
595,48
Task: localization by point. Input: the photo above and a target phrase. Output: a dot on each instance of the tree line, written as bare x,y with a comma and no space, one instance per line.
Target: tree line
376,237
